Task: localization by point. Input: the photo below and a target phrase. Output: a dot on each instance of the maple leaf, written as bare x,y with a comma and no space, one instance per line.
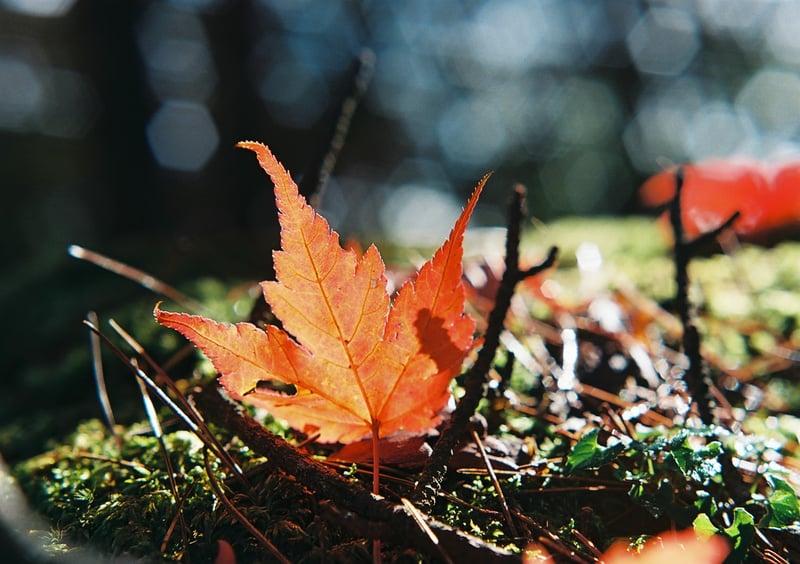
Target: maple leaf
361,365
763,193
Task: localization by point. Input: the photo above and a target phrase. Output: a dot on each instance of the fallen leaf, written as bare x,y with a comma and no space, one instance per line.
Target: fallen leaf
225,553
361,366
670,547
763,193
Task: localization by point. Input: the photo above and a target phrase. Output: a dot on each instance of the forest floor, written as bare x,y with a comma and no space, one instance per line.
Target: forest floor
586,433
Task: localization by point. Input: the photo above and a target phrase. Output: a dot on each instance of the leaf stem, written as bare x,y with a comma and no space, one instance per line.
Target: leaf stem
358,506
376,457
376,481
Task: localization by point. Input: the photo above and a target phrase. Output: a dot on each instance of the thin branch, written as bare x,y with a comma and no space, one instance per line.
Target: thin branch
702,240
496,483
238,515
695,376
365,65
100,381
141,277
381,518
436,466
189,410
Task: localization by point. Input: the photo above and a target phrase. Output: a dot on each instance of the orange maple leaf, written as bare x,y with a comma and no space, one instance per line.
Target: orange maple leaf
361,365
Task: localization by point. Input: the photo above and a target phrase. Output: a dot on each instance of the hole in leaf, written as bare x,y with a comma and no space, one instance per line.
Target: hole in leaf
272,386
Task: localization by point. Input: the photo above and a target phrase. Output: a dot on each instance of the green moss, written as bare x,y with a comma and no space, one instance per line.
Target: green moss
118,498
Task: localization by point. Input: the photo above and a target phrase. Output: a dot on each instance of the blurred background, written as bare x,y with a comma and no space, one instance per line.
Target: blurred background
118,122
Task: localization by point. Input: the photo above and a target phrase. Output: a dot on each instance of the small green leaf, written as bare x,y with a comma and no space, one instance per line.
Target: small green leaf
742,531
783,503
705,503
698,464
588,453
703,526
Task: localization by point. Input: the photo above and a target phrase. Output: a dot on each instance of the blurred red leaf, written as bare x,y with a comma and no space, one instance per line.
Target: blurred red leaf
669,548
766,196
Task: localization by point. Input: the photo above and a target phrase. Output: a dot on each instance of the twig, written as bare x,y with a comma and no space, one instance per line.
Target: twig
696,375
697,378
496,483
141,277
381,518
236,514
436,467
189,410
365,65
100,381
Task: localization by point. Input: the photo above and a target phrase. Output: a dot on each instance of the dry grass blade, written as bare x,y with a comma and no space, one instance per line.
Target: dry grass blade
100,380
189,410
552,542
648,416
139,276
145,378
149,408
564,550
419,518
496,483
155,424
236,514
773,557
213,445
587,543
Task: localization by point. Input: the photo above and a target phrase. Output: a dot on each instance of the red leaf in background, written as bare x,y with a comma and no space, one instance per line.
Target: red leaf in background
767,196
671,547
667,548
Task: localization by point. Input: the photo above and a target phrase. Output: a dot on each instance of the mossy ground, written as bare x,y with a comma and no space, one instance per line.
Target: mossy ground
572,465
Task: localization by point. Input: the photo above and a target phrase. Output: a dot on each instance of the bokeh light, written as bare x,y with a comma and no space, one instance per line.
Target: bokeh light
118,122
37,97
182,136
176,53
40,8
772,98
580,100
664,41
21,93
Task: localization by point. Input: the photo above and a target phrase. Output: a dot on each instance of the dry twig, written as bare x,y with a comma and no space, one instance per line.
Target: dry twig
350,505
436,467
